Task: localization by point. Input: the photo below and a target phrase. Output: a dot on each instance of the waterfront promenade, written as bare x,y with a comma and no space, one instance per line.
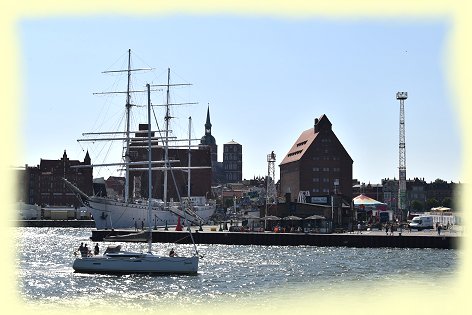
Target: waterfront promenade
448,239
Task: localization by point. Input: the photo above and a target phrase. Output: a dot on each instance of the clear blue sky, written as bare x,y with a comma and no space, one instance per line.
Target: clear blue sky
266,80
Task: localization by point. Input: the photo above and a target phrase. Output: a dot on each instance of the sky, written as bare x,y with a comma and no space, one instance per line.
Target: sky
265,80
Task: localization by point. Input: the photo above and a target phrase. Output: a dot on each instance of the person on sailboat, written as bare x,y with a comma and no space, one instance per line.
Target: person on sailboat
85,251
80,249
172,253
96,250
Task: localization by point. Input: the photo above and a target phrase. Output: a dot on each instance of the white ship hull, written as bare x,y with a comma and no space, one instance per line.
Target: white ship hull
126,262
114,214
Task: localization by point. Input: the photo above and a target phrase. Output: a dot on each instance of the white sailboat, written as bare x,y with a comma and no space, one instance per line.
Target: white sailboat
112,213
138,262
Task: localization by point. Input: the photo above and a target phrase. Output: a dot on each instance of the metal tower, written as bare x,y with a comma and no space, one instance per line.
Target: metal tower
402,96
271,193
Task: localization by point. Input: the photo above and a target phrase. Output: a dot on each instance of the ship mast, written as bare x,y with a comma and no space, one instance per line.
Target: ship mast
166,146
128,105
149,168
128,108
167,121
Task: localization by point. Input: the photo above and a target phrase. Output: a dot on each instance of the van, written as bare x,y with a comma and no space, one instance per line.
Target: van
422,222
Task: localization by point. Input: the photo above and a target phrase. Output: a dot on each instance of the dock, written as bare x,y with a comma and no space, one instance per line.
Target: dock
55,223
368,239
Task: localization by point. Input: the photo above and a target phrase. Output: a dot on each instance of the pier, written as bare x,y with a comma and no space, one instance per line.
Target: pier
370,239
55,223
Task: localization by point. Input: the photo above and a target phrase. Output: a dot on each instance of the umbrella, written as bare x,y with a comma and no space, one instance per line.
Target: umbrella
315,217
366,201
270,218
250,216
441,209
292,218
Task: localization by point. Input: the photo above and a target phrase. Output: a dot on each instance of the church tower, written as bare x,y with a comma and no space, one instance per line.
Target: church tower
209,140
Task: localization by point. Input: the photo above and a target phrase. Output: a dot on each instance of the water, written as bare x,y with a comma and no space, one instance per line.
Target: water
251,274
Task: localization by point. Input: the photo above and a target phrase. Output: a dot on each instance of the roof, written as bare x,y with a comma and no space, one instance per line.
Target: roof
300,146
232,142
306,139
364,200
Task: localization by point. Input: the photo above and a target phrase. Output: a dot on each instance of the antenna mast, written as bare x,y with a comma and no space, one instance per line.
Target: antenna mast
402,96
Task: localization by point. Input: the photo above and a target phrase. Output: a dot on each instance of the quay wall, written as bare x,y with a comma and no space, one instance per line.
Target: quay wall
55,223
295,239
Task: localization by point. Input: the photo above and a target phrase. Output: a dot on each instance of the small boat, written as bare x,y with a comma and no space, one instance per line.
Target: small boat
123,262
116,261
131,237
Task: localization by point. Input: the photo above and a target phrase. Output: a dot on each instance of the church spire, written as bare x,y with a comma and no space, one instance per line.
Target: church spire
208,123
87,158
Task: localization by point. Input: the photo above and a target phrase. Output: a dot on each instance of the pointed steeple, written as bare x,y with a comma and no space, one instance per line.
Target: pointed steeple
208,123
87,158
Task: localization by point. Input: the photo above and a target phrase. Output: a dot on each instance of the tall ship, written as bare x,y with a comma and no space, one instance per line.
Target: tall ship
172,172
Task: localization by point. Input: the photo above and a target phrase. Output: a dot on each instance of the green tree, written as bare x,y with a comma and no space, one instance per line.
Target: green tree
447,202
432,203
417,205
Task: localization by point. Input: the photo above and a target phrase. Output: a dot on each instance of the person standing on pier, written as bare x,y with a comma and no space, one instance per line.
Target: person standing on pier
96,249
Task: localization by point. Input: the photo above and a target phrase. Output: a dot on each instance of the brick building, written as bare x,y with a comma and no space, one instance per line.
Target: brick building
200,178
43,184
317,163
317,170
233,162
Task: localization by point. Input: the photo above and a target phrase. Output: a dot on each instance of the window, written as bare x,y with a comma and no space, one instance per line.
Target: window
316,180
325,169
295,153
301,143
316,169
325,180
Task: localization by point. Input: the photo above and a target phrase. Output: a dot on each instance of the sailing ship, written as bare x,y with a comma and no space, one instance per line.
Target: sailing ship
118,261
114,213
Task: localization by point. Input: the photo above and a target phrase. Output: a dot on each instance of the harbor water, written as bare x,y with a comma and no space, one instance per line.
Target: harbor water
239,274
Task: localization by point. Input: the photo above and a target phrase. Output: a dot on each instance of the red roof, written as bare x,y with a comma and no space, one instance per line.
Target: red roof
300,146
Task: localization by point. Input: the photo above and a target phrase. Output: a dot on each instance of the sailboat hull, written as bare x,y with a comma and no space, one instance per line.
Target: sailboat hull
109,214
126,263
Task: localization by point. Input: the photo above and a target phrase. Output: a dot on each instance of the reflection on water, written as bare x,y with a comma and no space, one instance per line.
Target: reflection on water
248,273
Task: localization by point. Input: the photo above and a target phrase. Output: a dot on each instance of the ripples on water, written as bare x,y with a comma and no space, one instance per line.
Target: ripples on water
45,274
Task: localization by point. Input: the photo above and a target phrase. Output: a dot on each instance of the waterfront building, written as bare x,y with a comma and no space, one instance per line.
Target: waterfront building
43,184
200,181
317,163
420,195
318,168
233,162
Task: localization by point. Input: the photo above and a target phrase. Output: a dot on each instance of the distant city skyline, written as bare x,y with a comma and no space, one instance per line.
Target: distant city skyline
265,80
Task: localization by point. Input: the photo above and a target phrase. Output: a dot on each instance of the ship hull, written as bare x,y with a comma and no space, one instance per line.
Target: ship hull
109,214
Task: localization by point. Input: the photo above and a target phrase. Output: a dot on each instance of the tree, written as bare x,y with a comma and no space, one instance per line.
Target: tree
447,202
439,181
432,203
417,205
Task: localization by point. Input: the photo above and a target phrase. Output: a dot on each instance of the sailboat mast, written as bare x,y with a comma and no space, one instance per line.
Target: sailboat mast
149,169
166,147
128,108
189,156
